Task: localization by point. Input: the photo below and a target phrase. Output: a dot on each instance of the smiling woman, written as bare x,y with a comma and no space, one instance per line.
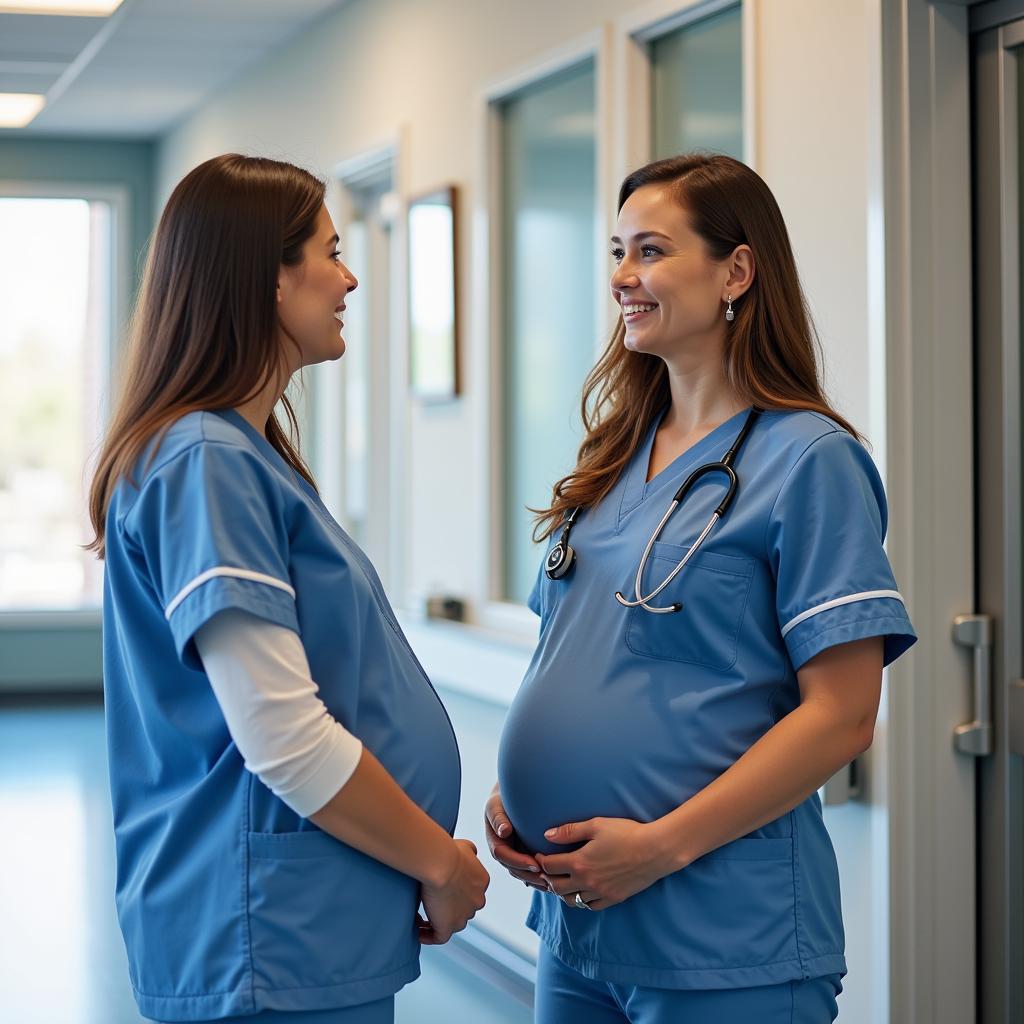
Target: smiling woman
250,652
659,765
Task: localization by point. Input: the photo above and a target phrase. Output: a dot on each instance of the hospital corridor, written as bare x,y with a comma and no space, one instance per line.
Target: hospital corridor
511,512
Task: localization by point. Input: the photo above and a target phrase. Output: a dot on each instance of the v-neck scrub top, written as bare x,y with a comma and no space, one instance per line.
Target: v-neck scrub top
628,714
230,903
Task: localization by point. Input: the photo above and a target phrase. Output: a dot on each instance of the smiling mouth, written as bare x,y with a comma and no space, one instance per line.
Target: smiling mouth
632,311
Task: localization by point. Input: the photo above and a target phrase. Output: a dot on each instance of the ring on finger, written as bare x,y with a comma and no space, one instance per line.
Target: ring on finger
580,902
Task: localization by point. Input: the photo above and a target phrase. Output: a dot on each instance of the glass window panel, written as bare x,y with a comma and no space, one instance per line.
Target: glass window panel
549,234
697,88
55,281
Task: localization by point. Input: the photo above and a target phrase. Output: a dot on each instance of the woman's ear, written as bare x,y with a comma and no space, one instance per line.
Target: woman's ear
741,271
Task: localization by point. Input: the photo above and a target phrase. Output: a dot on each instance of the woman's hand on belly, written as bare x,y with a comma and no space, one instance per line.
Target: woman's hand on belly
618,859
500,836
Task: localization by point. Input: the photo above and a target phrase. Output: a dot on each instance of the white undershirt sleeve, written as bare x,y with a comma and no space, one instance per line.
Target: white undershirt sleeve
284,732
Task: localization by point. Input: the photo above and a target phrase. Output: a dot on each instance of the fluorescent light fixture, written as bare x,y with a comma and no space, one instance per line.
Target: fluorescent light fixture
81,8
18,108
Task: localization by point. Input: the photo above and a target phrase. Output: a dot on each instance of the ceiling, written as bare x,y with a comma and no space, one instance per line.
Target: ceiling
136,73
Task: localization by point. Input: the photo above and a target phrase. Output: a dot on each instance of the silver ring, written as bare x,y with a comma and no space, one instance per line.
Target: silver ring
582,903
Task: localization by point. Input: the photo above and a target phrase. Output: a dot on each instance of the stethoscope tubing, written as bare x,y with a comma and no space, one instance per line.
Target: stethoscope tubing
562,557
642,602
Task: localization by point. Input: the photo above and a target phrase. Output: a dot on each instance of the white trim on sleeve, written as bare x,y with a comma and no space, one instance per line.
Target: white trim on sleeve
225,570
867,595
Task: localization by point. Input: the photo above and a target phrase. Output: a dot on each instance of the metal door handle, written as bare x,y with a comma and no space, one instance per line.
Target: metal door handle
975,737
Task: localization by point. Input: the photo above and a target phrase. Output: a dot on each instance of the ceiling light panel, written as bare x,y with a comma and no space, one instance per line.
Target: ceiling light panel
18,108
81,8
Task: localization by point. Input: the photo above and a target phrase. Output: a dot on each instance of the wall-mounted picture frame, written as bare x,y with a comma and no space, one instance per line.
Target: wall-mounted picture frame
433,296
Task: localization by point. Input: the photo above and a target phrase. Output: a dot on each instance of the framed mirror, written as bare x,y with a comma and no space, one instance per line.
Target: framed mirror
433,319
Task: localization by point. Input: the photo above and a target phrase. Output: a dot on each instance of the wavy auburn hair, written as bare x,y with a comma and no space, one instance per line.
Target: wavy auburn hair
771,347
205,330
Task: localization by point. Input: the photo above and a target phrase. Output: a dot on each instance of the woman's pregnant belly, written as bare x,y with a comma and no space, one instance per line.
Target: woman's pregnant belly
574,749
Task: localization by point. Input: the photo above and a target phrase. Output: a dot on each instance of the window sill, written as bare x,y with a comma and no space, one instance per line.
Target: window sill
477,661
57,620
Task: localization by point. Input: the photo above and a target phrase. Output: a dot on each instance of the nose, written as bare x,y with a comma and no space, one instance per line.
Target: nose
624,276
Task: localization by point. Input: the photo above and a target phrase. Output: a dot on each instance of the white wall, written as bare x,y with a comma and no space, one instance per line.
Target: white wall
379,67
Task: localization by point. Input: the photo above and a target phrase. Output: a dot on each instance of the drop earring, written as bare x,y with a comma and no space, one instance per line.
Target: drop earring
729,314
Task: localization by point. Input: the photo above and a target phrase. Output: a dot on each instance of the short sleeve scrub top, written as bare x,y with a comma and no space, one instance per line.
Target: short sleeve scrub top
628,714
230,903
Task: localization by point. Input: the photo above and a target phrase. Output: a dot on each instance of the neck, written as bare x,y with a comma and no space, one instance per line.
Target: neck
701,397
258,409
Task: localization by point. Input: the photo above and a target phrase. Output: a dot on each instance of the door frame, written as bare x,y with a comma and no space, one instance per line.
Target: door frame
997,66
927,221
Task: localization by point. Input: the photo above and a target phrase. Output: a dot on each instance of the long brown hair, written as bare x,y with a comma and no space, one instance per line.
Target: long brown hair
770,351
205,333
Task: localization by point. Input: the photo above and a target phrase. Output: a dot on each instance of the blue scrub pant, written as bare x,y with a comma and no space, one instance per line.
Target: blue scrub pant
564,996
380,1012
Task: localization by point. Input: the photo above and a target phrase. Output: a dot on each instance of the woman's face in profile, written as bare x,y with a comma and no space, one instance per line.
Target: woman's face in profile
668,288
311,297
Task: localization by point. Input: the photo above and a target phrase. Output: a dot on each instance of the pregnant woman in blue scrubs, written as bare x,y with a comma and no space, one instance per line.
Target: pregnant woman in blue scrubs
659,766
284,778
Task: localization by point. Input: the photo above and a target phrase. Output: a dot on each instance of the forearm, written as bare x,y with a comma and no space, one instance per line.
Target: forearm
372,813
793,759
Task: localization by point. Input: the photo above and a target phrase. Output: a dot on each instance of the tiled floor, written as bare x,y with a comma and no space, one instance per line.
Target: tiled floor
61,956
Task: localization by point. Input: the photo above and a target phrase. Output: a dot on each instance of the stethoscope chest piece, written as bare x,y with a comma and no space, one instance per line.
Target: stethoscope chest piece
561,559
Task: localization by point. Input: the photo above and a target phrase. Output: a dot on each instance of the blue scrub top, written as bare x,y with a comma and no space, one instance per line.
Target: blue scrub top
229,902
628,714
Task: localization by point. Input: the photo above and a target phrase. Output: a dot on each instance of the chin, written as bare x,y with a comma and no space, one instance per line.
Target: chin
335,350
638,343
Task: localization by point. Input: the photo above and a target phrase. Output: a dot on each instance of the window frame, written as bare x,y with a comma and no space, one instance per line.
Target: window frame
493,612
387,370
622,66
634,33
118,199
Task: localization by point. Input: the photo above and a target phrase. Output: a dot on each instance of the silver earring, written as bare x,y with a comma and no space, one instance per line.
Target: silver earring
729,314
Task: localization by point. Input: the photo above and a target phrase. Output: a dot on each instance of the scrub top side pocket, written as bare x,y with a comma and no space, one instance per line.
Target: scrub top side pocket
713,590
311,899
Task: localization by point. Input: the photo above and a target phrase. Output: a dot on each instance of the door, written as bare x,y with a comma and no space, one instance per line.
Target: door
998,122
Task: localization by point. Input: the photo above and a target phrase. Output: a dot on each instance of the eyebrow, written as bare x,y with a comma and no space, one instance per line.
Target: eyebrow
644,234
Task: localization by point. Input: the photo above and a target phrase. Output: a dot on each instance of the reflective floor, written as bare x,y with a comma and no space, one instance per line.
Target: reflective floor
61,956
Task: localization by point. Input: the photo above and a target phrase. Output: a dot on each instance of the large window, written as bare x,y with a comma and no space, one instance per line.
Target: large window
697,87
55,294
548,140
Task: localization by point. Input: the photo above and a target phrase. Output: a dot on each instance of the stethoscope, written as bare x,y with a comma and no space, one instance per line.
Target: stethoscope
561,558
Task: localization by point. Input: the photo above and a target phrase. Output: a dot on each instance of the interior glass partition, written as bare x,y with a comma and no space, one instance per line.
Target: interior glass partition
697,87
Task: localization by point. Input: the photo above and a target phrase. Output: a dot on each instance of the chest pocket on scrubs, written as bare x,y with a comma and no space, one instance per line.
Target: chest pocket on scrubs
713,591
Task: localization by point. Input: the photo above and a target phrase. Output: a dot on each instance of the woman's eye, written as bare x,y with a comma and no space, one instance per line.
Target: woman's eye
617,255
650,250
336,255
